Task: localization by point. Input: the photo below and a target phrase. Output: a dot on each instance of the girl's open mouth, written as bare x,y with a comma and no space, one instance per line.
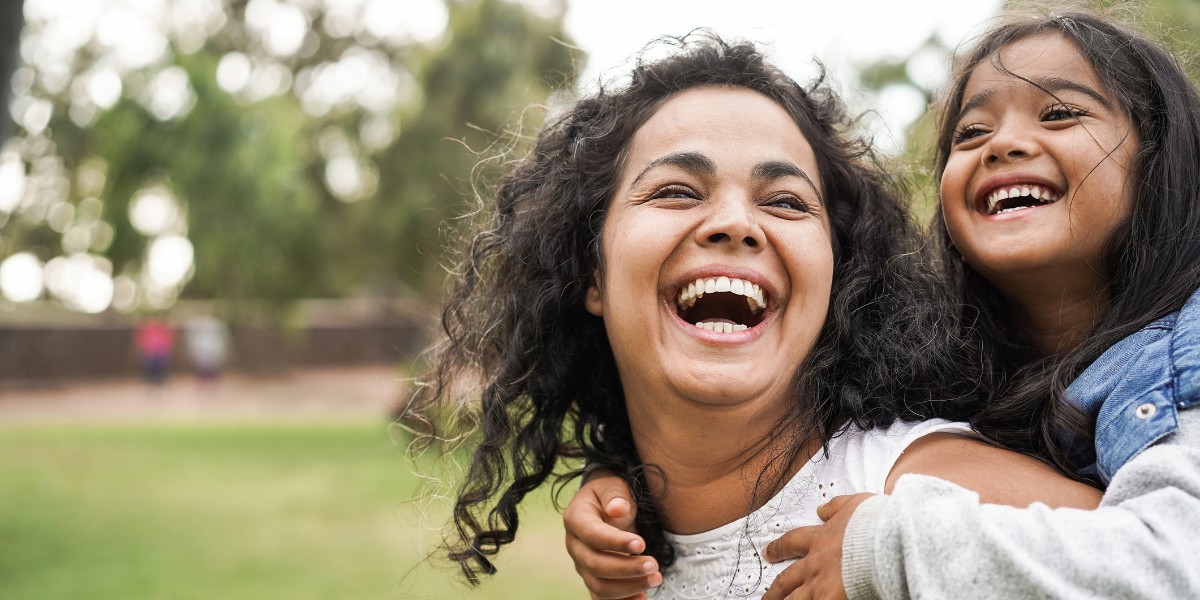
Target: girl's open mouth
1012,198
721,304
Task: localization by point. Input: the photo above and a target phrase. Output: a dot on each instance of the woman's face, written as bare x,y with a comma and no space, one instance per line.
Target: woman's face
1036,182
717,252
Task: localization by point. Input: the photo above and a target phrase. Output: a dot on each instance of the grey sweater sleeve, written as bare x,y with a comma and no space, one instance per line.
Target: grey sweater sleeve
932,539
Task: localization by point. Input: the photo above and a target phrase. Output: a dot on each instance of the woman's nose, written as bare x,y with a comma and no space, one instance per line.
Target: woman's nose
733,223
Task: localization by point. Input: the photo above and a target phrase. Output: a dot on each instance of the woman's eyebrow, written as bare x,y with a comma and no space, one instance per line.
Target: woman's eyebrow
778,169
694,162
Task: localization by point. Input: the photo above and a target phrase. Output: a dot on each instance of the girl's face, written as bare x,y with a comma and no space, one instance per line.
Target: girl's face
1037,179
717,252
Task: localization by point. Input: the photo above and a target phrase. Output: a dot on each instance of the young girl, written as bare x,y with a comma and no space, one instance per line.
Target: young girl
1071,218
699,273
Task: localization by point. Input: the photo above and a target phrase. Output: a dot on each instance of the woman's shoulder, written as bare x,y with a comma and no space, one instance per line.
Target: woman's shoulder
863,458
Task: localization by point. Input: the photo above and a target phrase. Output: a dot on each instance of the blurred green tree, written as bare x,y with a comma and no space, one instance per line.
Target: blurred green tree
12,17
264,151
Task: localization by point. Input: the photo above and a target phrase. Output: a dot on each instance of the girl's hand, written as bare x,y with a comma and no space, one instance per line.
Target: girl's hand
600,539
818,572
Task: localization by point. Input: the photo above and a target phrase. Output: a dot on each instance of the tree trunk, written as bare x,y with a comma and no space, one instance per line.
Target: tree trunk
11,19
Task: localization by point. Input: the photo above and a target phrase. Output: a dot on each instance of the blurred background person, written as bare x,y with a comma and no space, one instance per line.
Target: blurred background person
207,343
155,339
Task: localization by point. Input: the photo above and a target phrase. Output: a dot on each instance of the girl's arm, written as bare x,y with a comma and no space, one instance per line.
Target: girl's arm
929,537
997,475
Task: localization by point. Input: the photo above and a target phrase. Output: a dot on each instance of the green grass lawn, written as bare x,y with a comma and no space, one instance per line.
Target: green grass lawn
238,511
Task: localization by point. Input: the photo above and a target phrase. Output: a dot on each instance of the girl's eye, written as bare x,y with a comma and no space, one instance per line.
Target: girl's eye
1062,112
966,132
786,201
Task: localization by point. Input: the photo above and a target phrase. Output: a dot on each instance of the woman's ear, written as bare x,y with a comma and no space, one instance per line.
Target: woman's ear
593,301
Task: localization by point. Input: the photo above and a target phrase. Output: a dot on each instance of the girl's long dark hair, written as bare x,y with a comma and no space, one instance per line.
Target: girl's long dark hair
515,323
1152,260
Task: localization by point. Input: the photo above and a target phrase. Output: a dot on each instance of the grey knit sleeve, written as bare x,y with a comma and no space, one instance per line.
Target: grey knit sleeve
858,550
932,539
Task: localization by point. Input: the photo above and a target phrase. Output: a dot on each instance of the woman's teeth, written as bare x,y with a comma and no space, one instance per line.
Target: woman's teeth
708,285
721,327
1037,193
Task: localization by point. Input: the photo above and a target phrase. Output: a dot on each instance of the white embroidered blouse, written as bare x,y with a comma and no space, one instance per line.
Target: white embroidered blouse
726,562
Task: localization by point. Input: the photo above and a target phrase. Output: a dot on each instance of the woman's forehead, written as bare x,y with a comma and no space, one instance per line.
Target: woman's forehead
727,124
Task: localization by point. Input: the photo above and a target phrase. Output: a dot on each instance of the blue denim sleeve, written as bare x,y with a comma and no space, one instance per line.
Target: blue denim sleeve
1137,388
1185,354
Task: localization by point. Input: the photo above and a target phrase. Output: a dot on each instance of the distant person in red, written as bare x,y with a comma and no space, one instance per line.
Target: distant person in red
154,341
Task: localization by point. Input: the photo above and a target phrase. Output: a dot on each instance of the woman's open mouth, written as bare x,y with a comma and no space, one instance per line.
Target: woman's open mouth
721,304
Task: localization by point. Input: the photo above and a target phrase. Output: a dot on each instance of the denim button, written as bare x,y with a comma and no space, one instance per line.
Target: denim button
1146,411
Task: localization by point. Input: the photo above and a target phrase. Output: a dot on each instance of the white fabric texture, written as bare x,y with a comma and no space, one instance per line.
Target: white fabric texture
726,562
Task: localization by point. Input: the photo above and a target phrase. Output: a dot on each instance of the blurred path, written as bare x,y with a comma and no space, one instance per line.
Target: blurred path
342,393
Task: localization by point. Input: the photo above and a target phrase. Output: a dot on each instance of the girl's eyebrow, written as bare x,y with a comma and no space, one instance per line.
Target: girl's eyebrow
696,162
1058,84
1050,85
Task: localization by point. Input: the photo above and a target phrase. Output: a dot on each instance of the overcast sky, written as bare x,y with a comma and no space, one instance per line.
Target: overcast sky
840,33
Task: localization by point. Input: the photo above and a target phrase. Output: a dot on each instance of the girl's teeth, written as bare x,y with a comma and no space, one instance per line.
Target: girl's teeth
1041,195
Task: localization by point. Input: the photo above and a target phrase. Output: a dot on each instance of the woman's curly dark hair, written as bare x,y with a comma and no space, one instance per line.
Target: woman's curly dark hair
516,323
1152,260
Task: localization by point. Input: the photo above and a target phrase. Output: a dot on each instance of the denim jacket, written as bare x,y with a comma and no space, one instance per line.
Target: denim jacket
1137,388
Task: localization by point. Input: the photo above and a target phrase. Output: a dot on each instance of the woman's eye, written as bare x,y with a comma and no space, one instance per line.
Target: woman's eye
678,192
786,201
1062,112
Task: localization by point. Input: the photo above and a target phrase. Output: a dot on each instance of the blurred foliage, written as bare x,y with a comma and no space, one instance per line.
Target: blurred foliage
11,20
282,196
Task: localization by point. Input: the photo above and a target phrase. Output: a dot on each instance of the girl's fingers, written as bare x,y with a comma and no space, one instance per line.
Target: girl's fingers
585,520
622,589
786,582
793,544
609,565
611,576
590,530
827,510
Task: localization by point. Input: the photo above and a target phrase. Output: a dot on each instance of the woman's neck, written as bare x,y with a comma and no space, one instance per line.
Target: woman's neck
719,464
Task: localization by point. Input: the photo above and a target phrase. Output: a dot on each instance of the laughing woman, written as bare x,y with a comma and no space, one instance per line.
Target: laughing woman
698,272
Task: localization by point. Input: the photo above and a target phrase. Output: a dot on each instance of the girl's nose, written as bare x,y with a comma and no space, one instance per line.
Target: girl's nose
1009,145
732,223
